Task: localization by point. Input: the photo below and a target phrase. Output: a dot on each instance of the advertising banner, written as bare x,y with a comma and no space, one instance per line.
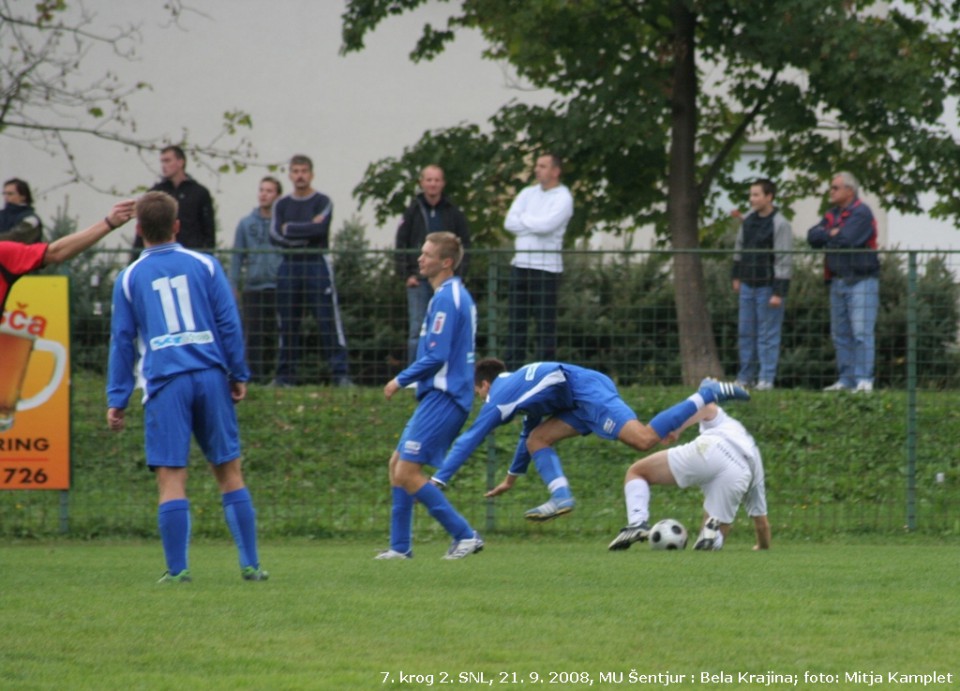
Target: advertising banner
35,385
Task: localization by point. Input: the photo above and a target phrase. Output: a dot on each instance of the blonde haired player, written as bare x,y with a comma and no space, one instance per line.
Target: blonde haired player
723,461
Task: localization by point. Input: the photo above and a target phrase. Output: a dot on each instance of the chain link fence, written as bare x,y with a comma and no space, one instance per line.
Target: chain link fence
617,312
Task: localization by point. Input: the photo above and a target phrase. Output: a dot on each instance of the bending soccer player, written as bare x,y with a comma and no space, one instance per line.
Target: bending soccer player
443,374
723,461
560,401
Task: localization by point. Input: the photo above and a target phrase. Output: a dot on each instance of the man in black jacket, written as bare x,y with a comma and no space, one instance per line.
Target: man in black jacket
194,203
431,211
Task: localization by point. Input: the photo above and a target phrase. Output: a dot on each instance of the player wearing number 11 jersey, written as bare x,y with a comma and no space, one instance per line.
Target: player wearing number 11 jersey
175,321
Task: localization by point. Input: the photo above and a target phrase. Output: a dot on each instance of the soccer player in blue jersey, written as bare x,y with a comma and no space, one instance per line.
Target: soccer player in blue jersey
305,281
558,401
173,308
443,374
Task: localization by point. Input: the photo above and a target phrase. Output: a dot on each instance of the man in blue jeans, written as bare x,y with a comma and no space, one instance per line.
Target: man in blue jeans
854,279
761,278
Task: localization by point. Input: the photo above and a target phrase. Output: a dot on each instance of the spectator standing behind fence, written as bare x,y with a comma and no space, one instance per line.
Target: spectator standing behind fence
18,221
854,280
761,279
253,274
196,215
538,218
430,212
177,306
18,259
301,221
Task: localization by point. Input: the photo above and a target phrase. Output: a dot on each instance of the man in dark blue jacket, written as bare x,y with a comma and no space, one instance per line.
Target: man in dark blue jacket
854,279
301,220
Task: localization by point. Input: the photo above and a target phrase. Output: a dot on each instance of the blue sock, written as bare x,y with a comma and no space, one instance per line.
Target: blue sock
664,422
707,394
547,462
242,521
173,519
441,509
401,520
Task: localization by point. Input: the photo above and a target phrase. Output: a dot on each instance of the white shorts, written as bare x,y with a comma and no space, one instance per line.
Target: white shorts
715,467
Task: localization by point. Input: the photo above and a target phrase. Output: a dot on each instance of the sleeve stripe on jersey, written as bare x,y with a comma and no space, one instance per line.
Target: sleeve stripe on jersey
555,378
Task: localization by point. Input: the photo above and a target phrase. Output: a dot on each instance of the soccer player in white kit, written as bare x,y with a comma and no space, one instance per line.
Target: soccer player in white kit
723,461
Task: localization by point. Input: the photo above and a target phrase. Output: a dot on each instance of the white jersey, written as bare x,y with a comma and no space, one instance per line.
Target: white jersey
725,463
735,435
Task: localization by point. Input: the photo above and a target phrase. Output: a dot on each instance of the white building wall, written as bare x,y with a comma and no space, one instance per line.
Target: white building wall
280,62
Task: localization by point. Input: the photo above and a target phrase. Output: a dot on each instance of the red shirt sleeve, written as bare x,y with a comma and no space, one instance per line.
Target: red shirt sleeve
19,259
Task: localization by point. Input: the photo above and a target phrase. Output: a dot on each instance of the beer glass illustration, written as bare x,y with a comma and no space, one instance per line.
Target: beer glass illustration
16,349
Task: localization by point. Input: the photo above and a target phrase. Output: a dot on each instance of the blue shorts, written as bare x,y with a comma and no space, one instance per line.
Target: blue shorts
598,407
432,429
196,403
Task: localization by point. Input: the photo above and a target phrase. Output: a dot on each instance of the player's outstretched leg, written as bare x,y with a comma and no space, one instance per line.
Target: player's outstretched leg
466,540
714,391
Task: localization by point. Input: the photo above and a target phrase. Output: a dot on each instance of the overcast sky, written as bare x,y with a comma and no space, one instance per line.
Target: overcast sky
279,61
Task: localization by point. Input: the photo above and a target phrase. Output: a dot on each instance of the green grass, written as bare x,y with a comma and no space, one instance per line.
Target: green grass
315,459
89,615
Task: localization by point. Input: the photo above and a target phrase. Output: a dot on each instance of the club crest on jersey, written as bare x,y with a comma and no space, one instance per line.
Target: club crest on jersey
438,321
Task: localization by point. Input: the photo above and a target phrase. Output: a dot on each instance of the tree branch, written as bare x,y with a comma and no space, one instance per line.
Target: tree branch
704,185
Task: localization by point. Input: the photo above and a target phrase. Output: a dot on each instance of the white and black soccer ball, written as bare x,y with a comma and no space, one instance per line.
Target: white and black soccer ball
668,534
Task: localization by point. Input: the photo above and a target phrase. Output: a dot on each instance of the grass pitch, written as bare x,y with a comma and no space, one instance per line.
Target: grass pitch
524,613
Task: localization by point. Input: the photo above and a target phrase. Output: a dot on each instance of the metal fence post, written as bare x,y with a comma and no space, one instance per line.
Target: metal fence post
492,347
64,512
912,391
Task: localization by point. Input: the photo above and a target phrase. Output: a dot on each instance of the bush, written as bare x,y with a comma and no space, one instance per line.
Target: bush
616,314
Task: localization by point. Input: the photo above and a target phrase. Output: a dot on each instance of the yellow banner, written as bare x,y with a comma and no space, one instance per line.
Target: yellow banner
35,385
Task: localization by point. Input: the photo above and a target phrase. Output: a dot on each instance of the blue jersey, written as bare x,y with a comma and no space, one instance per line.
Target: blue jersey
173,308
536,390
445,353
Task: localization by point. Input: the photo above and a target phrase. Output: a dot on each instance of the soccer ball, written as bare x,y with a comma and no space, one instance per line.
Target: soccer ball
668,534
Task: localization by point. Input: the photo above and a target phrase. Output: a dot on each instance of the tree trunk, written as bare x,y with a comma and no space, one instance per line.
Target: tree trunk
698,348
